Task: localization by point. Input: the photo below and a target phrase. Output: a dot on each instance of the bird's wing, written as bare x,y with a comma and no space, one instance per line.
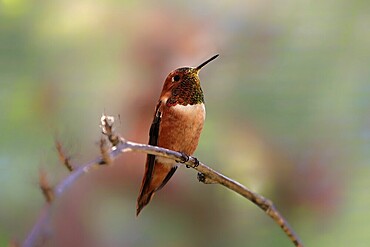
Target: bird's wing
153,140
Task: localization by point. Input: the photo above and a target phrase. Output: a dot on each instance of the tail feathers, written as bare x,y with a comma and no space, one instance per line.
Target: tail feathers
152,182
143,200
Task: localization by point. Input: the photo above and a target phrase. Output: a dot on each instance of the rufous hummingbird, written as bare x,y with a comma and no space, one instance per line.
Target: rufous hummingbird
178,121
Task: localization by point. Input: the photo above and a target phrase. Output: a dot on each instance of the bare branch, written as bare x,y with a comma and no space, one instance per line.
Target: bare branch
205,175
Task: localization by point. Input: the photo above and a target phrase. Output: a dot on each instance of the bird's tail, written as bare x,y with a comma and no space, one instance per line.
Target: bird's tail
154,179
143,200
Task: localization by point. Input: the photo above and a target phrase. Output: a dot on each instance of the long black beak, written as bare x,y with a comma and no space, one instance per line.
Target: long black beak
204,63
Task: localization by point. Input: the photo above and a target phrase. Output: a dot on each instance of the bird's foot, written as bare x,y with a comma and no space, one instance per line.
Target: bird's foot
196,162
184,157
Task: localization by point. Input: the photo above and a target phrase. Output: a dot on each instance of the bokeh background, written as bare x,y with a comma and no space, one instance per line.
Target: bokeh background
288,115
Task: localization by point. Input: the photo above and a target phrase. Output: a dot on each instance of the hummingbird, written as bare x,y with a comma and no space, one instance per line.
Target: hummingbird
178,121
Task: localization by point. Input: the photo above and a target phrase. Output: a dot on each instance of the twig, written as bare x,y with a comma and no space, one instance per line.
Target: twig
106,125
104,150
45,187
62,157
207,175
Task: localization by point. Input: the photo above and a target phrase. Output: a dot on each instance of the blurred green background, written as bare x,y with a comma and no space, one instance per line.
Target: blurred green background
288,115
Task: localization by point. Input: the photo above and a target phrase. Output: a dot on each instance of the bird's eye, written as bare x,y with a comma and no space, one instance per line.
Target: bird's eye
175,78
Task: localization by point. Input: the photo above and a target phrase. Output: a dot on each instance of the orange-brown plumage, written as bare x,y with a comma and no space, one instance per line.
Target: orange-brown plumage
178,122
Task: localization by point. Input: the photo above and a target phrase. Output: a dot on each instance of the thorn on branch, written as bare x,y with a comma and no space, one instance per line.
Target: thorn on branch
106,125
204,179
63,158
201,177
45,187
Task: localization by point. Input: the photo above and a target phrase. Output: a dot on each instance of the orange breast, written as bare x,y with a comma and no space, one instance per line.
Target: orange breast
181,127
